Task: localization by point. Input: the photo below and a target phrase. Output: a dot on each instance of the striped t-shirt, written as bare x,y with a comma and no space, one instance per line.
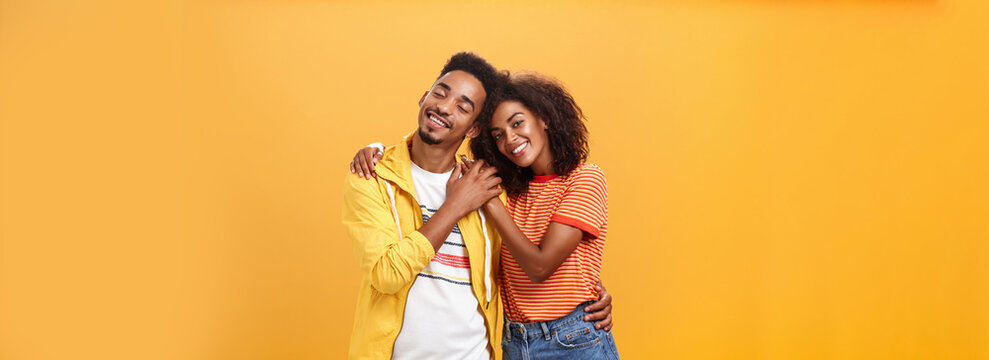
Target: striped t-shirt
579,199
442,319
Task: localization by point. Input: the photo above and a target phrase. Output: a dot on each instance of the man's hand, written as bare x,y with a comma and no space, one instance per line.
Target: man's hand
601,309
493,202
363,163
468,189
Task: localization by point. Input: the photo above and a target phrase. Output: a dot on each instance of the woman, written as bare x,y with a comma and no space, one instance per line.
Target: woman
554,226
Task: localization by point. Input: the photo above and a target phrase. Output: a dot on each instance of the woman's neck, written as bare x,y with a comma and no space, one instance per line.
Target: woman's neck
543,165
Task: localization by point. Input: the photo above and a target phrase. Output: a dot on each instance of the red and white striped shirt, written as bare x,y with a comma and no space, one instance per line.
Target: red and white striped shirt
579,199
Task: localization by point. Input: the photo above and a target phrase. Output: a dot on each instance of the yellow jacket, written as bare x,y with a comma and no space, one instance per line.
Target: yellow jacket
382,218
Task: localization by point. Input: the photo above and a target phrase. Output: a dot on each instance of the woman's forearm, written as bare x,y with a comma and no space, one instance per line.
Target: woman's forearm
538,262
525,252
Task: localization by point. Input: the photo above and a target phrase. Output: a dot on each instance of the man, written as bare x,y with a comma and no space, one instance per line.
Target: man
429,261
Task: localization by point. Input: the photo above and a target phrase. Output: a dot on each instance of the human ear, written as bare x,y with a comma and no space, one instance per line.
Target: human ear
474,131
423,98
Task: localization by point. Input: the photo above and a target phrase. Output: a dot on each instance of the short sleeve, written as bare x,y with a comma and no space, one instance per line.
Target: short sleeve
585,201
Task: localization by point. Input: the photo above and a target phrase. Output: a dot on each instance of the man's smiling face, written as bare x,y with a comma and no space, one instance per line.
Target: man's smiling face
448,110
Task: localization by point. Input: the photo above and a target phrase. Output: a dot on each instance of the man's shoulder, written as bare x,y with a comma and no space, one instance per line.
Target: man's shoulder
356,183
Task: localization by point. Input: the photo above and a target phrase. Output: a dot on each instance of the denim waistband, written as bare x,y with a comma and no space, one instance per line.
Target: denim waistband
544,328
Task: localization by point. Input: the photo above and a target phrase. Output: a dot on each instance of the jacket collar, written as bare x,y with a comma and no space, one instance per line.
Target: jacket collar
396,163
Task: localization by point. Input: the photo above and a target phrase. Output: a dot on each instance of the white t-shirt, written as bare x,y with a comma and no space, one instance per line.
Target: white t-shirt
443,319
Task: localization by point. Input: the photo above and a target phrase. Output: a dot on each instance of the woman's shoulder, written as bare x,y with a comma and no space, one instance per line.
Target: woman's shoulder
587,169
586,172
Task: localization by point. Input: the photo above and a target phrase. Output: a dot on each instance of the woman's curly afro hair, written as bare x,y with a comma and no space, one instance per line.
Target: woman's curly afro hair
550,101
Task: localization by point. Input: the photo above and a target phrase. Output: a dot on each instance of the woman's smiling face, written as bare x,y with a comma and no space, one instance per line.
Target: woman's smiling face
520,136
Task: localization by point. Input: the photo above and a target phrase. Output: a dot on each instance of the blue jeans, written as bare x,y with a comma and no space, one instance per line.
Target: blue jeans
568,337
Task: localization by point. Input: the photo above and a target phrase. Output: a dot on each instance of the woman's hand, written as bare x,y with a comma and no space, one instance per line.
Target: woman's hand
363,163
466,190
467,163
471,185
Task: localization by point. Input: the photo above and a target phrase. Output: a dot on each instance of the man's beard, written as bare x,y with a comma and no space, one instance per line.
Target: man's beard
428,139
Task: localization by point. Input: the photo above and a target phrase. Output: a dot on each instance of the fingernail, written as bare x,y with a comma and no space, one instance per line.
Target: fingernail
586,318
360,174
597,326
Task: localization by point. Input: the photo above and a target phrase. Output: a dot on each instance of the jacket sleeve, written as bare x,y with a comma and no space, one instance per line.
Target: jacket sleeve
389,260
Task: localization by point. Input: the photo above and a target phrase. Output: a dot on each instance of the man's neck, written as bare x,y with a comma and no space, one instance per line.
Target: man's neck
438,158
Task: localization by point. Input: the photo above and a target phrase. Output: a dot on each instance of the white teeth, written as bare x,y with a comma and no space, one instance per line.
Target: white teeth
437,121
519,148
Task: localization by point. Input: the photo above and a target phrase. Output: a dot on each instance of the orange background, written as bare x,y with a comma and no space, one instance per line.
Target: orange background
788,179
